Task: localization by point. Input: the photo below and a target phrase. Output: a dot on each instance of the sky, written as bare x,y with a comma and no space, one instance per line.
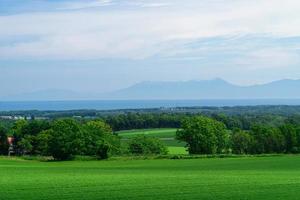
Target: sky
104,45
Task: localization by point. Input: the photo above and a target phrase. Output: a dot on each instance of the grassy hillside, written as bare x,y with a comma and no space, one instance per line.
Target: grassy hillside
167,135
252,178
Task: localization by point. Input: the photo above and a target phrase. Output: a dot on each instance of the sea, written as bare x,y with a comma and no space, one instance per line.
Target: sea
136,104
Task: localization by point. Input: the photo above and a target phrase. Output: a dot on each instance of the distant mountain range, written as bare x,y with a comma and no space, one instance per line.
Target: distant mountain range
204,89
208,89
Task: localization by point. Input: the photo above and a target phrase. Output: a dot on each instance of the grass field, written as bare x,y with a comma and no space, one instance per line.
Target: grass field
160,132
177,150
266,178
166,135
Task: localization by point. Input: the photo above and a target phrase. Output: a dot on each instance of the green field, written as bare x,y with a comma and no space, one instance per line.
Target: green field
160,132
174,150
266,178
166,135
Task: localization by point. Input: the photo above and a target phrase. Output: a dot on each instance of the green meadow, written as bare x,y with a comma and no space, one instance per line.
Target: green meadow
245,178
159,132
166,135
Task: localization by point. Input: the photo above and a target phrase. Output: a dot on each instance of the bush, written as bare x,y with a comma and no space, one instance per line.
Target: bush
146,145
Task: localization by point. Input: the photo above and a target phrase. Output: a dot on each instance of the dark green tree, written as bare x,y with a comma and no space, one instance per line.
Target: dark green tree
203,135
258,132
25,145
3,141
43,141
240,142
275,141
267,139
99,140
65,139
290,134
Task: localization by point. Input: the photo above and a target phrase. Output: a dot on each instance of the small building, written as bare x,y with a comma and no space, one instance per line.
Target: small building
10,141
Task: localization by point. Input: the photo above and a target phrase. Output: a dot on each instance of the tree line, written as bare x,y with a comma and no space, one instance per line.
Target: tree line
144,121
205,135
130,121
65,138
214,134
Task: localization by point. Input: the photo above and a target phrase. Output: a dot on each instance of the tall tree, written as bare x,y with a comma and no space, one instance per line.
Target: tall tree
240,142
290,134
203,135
65,139
99,140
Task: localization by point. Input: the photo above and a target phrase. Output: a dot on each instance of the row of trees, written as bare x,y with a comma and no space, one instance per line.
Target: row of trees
166,120
174,120
264,139
205,135
143,121
64,138
233,120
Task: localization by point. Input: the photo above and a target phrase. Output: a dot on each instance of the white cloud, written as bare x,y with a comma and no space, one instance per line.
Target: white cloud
151,28
268,59
84,4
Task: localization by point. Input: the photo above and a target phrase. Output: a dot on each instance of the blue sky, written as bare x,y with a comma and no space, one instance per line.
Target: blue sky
103,45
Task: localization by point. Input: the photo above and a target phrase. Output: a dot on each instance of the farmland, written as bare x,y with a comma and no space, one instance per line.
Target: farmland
267,178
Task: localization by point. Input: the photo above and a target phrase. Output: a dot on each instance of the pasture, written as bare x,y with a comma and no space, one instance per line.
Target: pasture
266,178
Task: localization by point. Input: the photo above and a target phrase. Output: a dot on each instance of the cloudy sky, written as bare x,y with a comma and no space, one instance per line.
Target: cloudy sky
103,45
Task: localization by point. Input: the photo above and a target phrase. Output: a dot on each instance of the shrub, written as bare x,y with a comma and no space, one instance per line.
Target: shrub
146,145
